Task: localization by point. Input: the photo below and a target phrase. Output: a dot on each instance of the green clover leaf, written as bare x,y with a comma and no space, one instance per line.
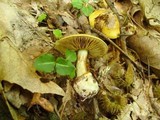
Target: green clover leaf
77,4
45,63
70,55
87,10
42,17
64,67
57,33
83,5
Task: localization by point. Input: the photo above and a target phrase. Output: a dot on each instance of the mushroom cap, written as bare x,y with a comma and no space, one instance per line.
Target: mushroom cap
94,45
105,21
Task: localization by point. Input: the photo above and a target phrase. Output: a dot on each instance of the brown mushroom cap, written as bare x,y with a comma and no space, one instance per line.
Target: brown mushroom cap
94,45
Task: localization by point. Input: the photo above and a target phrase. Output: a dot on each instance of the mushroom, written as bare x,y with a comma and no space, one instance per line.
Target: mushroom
105,21
86,45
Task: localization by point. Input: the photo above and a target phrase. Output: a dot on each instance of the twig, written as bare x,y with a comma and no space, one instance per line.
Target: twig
111,6
116,46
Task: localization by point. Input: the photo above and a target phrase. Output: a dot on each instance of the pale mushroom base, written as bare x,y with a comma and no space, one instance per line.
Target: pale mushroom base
86,86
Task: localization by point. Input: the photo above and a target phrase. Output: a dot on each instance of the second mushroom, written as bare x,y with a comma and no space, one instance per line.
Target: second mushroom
85,45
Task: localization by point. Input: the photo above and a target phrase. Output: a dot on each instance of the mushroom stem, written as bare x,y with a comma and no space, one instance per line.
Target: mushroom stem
81,62
85,85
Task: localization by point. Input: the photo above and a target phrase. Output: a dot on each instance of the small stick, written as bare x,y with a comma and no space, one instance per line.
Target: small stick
111,6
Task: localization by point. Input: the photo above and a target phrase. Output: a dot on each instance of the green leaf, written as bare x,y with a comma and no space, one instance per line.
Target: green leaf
77,3
45,63
86,1
42,17
71,55
87,10
72,74
57,33
64,67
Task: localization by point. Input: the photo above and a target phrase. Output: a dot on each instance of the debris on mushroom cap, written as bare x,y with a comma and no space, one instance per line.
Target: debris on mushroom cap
95,46
95,14
105,21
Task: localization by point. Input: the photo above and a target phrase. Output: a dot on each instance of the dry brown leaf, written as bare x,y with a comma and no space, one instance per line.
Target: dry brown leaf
147,45
15,69
67,97
151,9
70,30
44,103
69,19
146,41
16,98
141,106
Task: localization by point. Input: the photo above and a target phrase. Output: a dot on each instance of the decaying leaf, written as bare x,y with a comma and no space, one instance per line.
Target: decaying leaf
151,9
21,32
140,107
67,97
147,46
69,20
15,69
18,98
44,103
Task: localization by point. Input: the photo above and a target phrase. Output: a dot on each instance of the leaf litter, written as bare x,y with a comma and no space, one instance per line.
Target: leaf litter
24,38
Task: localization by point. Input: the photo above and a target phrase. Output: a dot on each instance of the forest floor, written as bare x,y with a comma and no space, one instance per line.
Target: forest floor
39,81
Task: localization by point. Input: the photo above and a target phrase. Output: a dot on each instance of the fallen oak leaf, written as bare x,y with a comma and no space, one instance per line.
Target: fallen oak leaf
16,70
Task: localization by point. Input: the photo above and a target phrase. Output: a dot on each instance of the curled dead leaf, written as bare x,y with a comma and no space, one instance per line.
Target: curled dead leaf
147,45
